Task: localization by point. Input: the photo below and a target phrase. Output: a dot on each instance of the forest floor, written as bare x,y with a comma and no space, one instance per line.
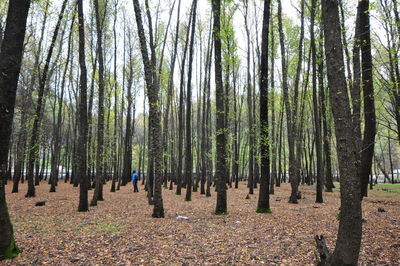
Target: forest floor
120,230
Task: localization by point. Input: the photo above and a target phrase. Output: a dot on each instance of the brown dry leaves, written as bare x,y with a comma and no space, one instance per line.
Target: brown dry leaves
120,230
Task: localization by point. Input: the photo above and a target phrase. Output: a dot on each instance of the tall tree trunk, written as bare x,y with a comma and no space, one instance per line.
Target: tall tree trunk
170,95
10,65
290,111
98,195
127,160
396,89
34,140
181,112
328,176
115,137
220,173
81,149
349,236
274,136
155,149
188,124
263,200
57,129
317,121
368,143
249,106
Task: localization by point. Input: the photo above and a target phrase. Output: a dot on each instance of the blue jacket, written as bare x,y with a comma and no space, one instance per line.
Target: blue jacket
134,177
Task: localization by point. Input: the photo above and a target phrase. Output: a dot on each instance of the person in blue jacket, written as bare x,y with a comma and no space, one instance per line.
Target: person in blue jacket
135,179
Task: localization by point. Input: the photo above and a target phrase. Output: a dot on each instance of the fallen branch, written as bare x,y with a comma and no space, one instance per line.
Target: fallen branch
323,250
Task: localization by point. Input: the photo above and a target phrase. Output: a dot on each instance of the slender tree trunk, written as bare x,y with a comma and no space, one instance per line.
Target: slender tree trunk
127,160
294,173
249,107
115,138
317,121
274,136
263,200
97,195
57,130
396,89
349,236
220,174
368,143
188,124
155,149
10,64
181,112
34,140
81,149
170,95
328,178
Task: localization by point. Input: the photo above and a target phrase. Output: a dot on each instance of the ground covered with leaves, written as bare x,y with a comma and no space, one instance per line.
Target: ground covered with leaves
120,230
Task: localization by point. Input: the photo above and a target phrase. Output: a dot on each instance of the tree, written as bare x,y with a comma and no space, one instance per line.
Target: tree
155,148
221,207
34,141
249,105
10,65
188,153
57,128
368,141
98,192
81,154
181,110
317,121
263,200
349,235
291,106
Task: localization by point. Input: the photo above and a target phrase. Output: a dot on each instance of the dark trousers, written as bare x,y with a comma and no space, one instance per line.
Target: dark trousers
135,187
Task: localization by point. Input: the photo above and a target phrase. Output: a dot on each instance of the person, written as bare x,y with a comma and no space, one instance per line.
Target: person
135,179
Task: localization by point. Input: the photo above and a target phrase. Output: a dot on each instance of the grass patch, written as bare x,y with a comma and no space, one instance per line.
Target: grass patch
385,190
106,227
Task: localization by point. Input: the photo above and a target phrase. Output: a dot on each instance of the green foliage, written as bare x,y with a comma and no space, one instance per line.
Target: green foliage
221,213
188,199
263,210
338,216
12,251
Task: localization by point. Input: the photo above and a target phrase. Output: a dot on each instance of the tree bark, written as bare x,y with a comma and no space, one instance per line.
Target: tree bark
188,124
54,174
249,106
349,236
317,121
81,149
220,173
263,200
155,150
97,194
34,141
368,142
10,64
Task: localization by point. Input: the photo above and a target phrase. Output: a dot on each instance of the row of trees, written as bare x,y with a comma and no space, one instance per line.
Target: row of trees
273,111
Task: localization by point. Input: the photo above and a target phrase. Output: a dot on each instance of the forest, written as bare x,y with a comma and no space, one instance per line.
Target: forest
257,131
